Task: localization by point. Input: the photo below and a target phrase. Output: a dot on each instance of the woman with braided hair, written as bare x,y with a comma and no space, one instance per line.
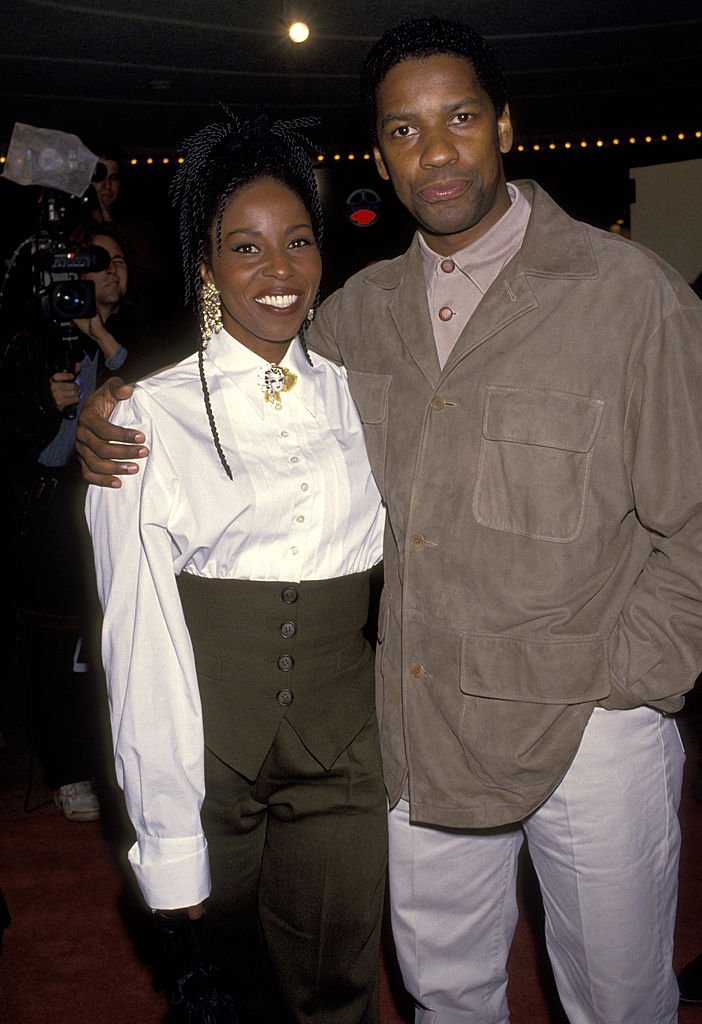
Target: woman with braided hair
234,576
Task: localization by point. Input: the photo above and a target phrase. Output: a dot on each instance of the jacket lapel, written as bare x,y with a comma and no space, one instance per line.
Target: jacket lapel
407,305
554,246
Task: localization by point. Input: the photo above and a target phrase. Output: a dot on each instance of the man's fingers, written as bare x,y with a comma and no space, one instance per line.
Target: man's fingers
104,470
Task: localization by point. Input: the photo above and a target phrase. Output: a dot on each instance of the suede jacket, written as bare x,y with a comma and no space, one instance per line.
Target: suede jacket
544,491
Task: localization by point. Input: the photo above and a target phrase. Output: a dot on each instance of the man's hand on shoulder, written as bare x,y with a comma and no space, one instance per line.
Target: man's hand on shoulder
101,445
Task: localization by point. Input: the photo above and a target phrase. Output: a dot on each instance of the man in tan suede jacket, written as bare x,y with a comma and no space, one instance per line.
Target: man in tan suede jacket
531,391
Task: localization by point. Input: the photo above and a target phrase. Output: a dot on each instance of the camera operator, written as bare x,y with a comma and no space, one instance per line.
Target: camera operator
59,612
98,344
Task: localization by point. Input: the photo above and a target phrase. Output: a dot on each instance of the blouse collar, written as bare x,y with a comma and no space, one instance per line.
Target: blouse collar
243,366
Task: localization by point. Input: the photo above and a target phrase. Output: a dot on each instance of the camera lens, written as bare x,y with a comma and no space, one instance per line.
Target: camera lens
71,299
68,299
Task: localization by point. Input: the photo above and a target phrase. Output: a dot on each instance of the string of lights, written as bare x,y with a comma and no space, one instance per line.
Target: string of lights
330,156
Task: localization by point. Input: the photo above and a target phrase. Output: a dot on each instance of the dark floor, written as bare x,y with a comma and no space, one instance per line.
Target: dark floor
22,791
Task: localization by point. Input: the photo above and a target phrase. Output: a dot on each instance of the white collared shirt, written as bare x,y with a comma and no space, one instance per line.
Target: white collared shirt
302,505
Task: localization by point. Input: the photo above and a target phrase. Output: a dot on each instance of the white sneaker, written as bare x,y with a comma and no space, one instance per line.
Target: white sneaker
78,801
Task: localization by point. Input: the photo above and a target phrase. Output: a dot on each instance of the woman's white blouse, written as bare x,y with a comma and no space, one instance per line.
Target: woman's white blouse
302,505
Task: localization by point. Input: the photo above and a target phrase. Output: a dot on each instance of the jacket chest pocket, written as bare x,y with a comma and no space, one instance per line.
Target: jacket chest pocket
370,392
534,467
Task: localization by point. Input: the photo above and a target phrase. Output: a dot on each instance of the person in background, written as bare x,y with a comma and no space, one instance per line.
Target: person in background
107,183
138,207
57,603
234,578
530,390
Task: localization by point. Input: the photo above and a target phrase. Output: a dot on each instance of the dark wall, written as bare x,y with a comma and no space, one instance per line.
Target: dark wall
593,186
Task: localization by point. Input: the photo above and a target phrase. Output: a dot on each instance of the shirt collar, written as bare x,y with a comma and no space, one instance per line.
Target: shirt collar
243,366
483,259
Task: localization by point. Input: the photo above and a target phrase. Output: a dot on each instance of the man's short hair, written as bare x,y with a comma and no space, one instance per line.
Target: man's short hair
429,37
87,230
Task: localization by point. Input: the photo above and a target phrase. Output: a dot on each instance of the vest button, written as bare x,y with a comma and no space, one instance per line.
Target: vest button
284,698
289,595
285,662
288,629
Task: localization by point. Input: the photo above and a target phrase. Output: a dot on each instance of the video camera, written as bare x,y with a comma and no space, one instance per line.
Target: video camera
57,265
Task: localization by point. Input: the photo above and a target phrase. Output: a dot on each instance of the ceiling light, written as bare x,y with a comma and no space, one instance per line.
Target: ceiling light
299,32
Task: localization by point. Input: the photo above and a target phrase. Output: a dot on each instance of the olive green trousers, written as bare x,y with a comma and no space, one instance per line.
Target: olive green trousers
298,852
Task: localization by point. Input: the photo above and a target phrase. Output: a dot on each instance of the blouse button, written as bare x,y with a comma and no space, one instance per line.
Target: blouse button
304,487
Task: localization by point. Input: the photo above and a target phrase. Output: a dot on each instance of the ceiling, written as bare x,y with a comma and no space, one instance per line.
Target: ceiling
145,73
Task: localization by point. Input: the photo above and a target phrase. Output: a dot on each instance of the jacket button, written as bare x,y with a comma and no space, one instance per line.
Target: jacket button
417,540
448,266
438,404
416,670
288,630
285,662
284,698
289,595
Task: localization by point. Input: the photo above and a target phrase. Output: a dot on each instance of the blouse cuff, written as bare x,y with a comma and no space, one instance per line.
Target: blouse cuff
171,873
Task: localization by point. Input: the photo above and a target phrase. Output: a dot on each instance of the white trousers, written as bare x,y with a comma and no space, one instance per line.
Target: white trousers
605,847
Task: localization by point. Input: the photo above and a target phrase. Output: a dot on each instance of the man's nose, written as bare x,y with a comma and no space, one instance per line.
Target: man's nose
438,148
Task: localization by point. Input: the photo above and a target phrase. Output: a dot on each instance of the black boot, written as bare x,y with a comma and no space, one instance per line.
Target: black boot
690,981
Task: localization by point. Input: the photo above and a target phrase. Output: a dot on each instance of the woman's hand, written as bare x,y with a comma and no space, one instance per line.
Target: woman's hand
100,443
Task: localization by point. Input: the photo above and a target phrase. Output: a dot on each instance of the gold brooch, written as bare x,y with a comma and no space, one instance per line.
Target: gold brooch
274,381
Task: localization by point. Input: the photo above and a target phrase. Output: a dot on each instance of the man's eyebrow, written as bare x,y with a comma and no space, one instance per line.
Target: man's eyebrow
411,115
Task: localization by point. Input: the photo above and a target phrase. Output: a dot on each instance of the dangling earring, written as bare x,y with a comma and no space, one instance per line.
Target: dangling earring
310,314
210,312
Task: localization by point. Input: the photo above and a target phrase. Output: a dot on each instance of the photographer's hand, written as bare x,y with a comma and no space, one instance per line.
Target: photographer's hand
95,329
64,389
100,443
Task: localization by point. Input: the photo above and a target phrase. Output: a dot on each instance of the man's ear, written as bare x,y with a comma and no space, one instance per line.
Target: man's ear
380,164
504,130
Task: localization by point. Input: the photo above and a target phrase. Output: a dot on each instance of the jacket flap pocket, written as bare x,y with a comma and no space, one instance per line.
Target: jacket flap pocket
535,671
551,419
370,393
